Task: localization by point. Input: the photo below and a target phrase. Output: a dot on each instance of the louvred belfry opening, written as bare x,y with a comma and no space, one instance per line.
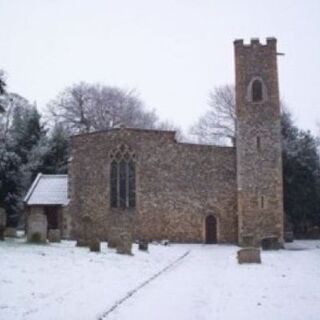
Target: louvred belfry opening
257,93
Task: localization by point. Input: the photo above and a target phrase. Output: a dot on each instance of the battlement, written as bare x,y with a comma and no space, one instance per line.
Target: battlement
255,42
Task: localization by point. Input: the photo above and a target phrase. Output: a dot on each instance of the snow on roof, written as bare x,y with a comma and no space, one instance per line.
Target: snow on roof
48,189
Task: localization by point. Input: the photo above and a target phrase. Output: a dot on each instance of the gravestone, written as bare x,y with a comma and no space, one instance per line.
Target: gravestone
54,235
10,232
37,226
82,243
288,236
143,245
313,232
165,242
124,245
95,245
249,255
3,222
270,243
87,228
113,237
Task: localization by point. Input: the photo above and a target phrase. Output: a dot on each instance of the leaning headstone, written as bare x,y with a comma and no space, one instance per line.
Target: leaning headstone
54,235
249,255
124,245
143,245
10,232
270,243
37,227
95,245
3,222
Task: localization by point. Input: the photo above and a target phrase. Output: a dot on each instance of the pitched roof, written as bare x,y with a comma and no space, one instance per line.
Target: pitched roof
48,189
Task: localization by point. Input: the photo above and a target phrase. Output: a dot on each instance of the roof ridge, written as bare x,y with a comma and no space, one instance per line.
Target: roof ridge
125,129
54,175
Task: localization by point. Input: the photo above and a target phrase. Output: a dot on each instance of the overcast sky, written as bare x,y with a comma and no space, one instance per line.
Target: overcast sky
172,51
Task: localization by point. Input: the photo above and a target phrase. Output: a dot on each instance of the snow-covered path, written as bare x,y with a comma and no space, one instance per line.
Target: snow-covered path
60,281
209,284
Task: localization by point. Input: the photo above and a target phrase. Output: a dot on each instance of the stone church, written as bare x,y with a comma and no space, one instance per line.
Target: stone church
157,188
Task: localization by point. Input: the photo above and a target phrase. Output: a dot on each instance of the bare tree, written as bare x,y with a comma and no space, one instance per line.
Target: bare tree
217,125
85,107
170,126
2,91
10,102
318,137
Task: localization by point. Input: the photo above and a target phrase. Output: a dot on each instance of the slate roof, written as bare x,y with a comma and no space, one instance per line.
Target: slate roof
48,189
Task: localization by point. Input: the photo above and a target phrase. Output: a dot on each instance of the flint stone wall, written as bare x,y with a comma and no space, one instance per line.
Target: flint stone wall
54,235
177,186
37,223
64,220
259,168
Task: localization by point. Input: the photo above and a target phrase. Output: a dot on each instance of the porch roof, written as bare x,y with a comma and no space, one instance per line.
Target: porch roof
48,189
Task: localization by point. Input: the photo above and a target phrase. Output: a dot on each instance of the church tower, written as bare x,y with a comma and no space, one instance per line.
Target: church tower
258,141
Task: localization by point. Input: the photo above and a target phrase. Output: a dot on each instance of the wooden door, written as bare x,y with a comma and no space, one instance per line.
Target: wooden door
211,229
52,214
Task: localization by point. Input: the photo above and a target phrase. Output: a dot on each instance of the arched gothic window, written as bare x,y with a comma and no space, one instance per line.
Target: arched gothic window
122,178
257,91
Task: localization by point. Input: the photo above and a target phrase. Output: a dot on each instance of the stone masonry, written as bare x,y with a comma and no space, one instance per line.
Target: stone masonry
178,185
258,142
37,225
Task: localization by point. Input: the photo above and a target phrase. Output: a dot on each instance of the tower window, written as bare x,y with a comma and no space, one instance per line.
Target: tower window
262,204
122,178
257,93
258,143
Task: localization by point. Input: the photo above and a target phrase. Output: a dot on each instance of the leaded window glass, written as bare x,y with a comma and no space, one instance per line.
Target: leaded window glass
122,178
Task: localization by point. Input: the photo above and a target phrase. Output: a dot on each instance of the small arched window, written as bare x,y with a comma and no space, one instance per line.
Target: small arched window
257,91
122,178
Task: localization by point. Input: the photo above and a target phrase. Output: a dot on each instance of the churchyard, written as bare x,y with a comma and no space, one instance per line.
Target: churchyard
175,281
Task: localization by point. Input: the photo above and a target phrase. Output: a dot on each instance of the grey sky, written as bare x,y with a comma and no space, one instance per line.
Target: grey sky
172,52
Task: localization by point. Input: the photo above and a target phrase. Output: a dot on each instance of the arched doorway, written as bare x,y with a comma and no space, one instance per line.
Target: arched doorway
211,229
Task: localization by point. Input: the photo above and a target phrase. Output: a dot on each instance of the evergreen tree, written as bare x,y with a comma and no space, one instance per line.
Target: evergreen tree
301,168
50,156
26,130
10,184
24,133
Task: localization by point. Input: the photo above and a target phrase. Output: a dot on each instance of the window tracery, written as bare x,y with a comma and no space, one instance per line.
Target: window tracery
122,178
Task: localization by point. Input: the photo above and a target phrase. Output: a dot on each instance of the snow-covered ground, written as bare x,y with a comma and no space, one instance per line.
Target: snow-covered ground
60,281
